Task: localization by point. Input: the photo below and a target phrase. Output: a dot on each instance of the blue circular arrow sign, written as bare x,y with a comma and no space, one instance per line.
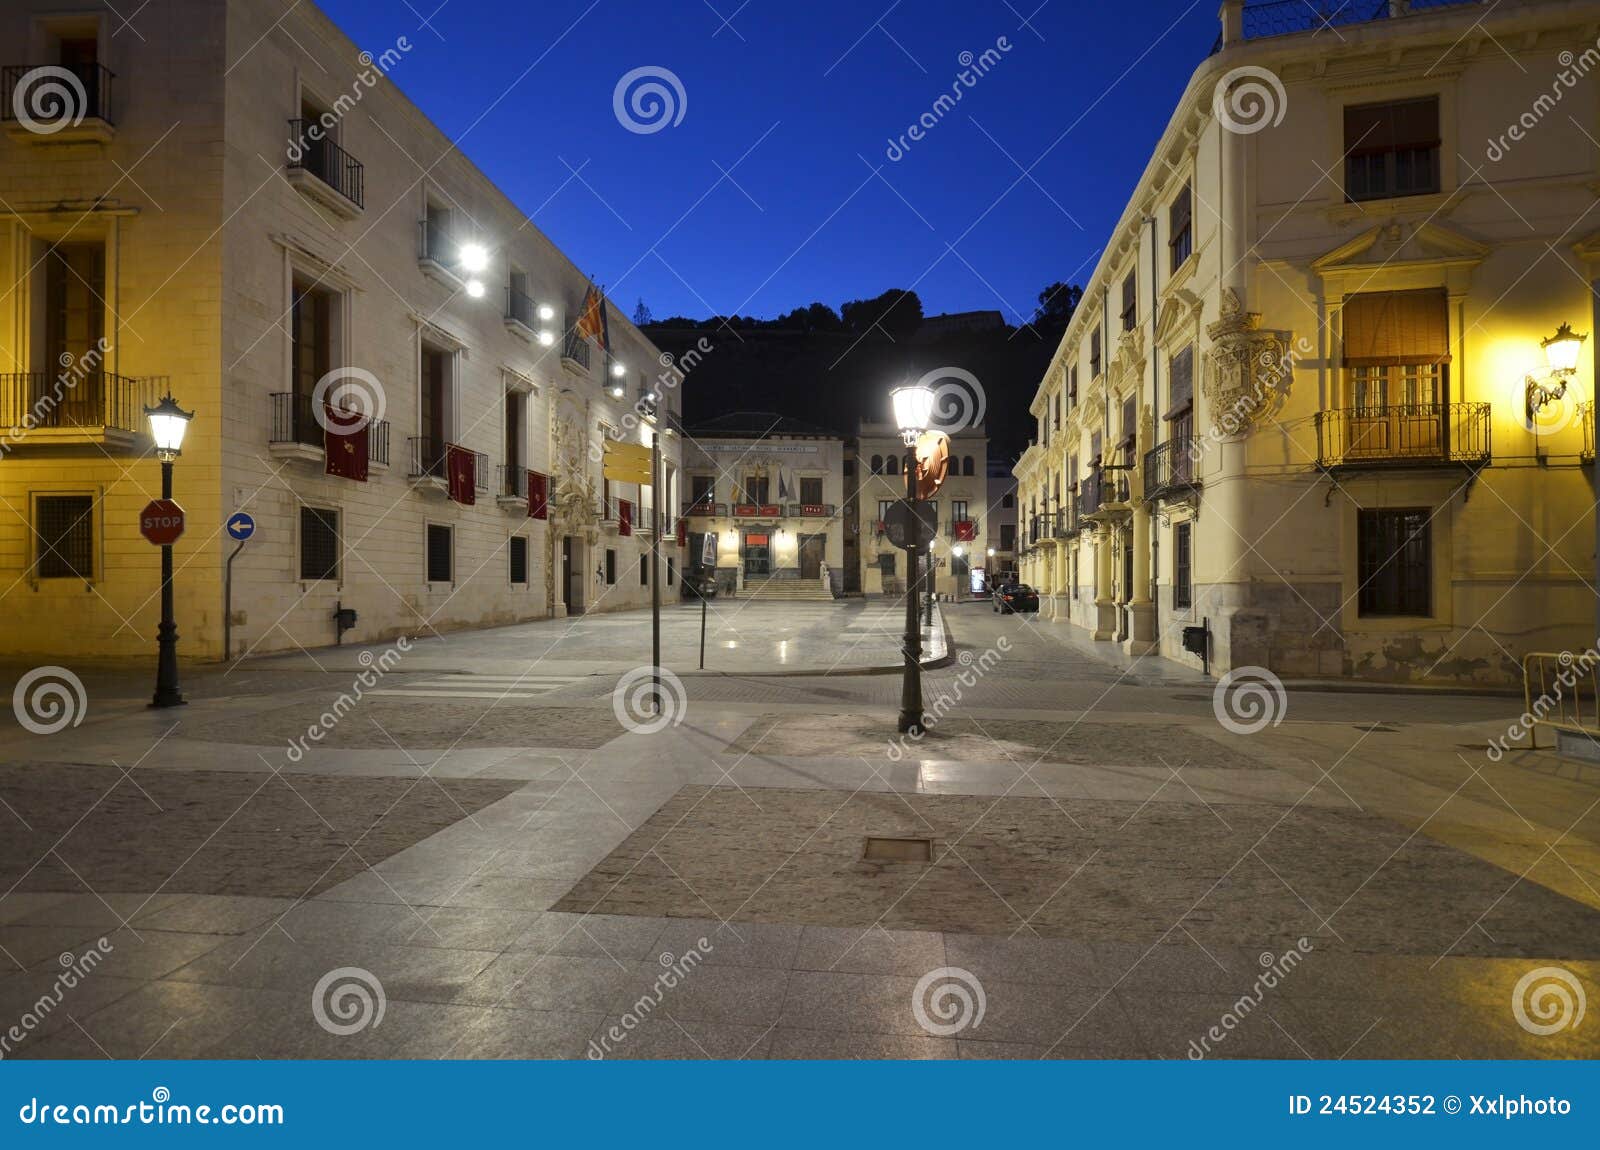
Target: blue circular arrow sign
241,526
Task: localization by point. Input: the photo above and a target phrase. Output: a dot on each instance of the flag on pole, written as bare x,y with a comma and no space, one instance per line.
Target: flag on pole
592,318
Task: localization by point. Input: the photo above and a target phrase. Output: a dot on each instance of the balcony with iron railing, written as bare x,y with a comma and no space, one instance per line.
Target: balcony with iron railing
296,433
57,103
705,507
1404,435
511,485
324,171
438,254
520,312
811,510
429,458
99,407
575,353
1170,469
1326,17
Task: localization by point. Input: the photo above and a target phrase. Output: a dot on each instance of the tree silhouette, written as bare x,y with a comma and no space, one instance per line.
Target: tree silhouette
642,316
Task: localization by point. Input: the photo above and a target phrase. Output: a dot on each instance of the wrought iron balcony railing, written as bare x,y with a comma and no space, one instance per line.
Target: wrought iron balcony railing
1405,435
294,421
326,161
1285,17
1170,468
97,399
575,348
519,308
54,96
436,245
511,482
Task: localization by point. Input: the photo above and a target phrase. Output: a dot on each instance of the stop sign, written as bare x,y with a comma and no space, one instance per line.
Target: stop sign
161,521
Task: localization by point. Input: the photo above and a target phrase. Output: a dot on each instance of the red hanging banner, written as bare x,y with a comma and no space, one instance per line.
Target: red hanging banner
624,517
462,466
344,443
538,496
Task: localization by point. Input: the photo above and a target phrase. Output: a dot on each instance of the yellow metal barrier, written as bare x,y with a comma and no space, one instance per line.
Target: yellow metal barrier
1562,691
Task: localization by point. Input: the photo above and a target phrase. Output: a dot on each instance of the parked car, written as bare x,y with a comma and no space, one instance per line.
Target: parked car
1010,598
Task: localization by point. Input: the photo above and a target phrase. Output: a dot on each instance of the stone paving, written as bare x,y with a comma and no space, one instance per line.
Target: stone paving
1101,901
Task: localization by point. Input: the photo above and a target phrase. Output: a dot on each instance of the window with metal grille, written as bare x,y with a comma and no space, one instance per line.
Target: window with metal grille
1130,301
1391,149
611,566
519,559
64,528
440,553
1180,227
886,564
1182,565
1395,561
319,543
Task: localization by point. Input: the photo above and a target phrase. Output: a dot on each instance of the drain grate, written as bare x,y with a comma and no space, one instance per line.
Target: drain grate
880,849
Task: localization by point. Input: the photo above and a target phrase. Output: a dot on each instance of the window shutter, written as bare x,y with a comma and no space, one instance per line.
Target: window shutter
1180,383
1390,329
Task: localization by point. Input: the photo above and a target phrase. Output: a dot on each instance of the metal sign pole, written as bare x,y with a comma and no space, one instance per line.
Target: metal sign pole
227,604
655,567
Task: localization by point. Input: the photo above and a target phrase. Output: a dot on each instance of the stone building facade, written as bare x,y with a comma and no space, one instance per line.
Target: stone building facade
239,205
1305,404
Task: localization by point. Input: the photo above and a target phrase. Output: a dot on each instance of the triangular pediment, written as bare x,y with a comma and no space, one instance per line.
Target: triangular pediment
1176,318
1402,245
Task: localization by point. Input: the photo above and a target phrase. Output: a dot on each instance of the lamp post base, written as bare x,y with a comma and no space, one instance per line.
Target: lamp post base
911,723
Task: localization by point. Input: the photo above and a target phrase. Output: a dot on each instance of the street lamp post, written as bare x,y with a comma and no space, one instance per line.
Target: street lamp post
912,408
168,422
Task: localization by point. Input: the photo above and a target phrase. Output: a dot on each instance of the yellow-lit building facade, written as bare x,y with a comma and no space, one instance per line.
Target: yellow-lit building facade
1312,402
234,203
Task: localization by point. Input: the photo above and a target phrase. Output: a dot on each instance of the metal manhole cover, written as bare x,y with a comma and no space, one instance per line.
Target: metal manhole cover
897,850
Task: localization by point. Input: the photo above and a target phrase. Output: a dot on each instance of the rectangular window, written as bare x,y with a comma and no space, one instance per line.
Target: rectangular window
74,324
1130,301
1072,383
1130,428
702,488
1180,383
611,566
1008,536
319,543
958,510
1395,561
435,409
886,564
64,531
1182,565
518,552
811,489
1008,500
755,489
1094,353
644,570
1180,227
514,406
883,509
1391,149
441,557
311,355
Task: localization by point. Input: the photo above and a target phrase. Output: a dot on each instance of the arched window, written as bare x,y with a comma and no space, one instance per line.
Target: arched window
877,465
892,466
966,465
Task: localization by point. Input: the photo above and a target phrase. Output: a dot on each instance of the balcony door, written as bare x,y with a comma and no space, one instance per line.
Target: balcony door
434,408
74,328
1396,357
311,339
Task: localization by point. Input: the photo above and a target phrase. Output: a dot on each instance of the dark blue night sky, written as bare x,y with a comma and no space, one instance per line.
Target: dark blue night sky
808,95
